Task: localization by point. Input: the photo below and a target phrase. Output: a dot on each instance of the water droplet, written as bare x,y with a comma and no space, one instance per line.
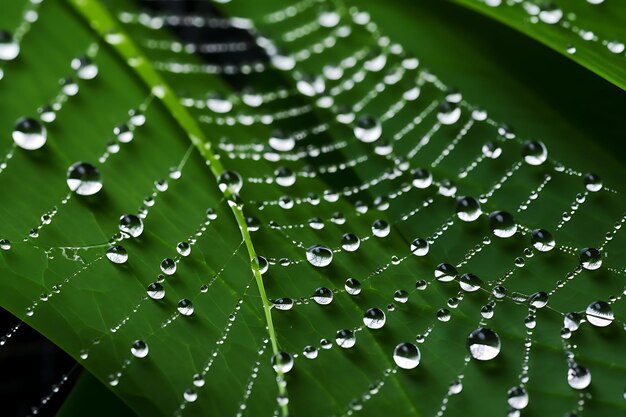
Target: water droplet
5,244
183,248
443,315
284,177
310,352
231,181
455,387
137,118
9,47
345,338
352,286
198,380
281,141
350,242
550,14
85,68
578,377
282,362
542,240
406,355
470,282
517,398
534,152
319,255
117,254
380,228
449,113
615,46
599,313
284,304
590,258
468,209
492,150
374,318
401,296
502,224
131,225
190,395
419,247
263,264
368,129
139,349
29,134
422,178
445,272
84,179
538,299
323,296
168,266
155,291
572,320
185,307
483,344
592,182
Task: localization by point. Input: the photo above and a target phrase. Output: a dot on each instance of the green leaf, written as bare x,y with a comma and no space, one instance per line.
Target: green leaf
591,34
232,333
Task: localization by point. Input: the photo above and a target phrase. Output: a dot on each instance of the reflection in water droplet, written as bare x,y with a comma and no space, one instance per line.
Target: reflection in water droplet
345,338
29,134
282,362
590,258
185,307
599,313
578,377
502,224
483,344
139,349
319,256
84,179
406,355
131,225
468,209
117,254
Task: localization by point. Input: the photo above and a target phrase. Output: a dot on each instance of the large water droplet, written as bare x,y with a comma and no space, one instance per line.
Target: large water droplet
282,362
29,134
85,68
470,282
231,181
185,307
117,254
323,296
578,377
139,349
9,47
350,242
345,338
502,224
483,344
449,113
155,291
380,228
374,318
592,182
168,266
445,272
422,178
419,247
131,225
517,398
319,255
368,129
468,209
282,142
352,286
590,258
84,178
285,177
542,240
599,313
534,152
406,355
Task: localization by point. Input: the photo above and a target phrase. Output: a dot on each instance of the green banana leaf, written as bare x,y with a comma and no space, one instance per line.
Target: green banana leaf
58,279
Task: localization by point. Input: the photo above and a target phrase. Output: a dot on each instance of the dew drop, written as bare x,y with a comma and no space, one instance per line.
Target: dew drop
155,291
131,225
323,296
367,129
5,244
117,254
319,256
168,266
350,242
284,177
419,247
9,47
502,224
380,228
406,355
470,282
137,118
492,150
449,113
190,395
284,304
282,362
29,134
280,141
445,272
578,377
85,68
185,307
599,313
590,258
534,152
538,299
231,181
139,349
468,209
542,240
422,178
183,248
310,352
517,398
84,179
592,182
374,318
483,344
352,286
345,339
